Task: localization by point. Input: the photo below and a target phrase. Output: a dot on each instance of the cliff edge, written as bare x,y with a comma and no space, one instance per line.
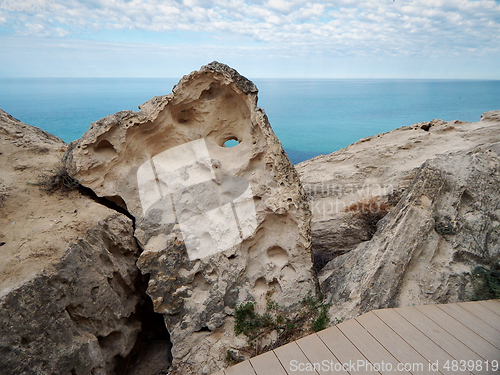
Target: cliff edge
408,217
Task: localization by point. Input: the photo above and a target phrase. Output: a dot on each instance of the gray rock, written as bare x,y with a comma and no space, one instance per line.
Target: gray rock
379,167
446,224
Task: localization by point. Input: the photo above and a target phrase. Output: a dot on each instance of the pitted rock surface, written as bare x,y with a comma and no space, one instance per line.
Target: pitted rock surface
218,225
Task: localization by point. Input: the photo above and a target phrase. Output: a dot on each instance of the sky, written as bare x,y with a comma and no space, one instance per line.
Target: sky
441,39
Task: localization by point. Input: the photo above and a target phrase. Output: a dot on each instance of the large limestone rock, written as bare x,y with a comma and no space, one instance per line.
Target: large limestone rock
425,250
380,166
68,280
218,225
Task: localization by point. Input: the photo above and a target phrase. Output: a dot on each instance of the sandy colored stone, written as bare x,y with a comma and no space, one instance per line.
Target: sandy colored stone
381,166
441,182
446,224
218,225
67,267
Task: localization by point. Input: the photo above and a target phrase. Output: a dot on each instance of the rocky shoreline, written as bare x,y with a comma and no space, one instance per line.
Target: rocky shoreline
93,280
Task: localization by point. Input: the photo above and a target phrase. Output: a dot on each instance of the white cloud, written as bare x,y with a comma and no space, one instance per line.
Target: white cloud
288,27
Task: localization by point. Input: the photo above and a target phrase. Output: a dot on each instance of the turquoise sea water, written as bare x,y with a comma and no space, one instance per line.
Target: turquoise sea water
310,116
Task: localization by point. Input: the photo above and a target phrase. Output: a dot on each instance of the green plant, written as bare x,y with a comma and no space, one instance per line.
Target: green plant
288,326
247,321
257,326
445,225
232,357
318,311
321,322
486,282
485,277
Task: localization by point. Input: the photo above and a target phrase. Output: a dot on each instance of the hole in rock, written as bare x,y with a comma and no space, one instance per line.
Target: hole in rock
231,143
204,329
25,341
110,341
211,93
278,256
105,147
186,115
426,127
152,352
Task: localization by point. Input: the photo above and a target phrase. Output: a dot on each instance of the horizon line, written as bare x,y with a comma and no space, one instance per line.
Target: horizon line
277,78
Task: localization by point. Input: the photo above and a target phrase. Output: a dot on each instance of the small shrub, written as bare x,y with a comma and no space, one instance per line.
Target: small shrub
313,317
371,211
318,310
232,357
57,179
3,194
322,321
485,277
247,321
445,225
486,282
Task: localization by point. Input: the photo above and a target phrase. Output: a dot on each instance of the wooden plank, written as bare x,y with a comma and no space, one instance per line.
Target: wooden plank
473,323
394,344
461,332
468,331
343,349
493,305
482,313
415,338
316,352
243,368
267,364
369,347
293,360
433,331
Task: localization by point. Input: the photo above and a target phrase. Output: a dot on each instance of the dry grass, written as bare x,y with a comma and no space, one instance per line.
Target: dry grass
371,211
3,193
57,180
371,206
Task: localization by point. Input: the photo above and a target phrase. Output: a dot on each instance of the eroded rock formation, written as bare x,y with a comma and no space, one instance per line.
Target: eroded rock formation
218,225
341,184
68,279
445,226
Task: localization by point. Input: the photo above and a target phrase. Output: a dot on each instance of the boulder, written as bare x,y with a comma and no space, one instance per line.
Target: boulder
368,177
69,287
218,224
436,246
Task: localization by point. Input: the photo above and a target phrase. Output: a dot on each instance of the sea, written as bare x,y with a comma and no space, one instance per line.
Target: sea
310,116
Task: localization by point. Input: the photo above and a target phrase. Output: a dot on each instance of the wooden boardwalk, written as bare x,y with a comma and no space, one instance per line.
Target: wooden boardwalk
461,338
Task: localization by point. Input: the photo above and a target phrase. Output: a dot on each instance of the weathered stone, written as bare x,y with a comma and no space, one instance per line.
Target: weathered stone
218,225
380,166
446,224
68,293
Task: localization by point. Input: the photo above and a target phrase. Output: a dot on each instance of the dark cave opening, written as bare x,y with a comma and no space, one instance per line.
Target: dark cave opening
152,352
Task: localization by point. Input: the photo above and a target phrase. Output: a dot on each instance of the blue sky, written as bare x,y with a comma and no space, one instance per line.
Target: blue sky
259,38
